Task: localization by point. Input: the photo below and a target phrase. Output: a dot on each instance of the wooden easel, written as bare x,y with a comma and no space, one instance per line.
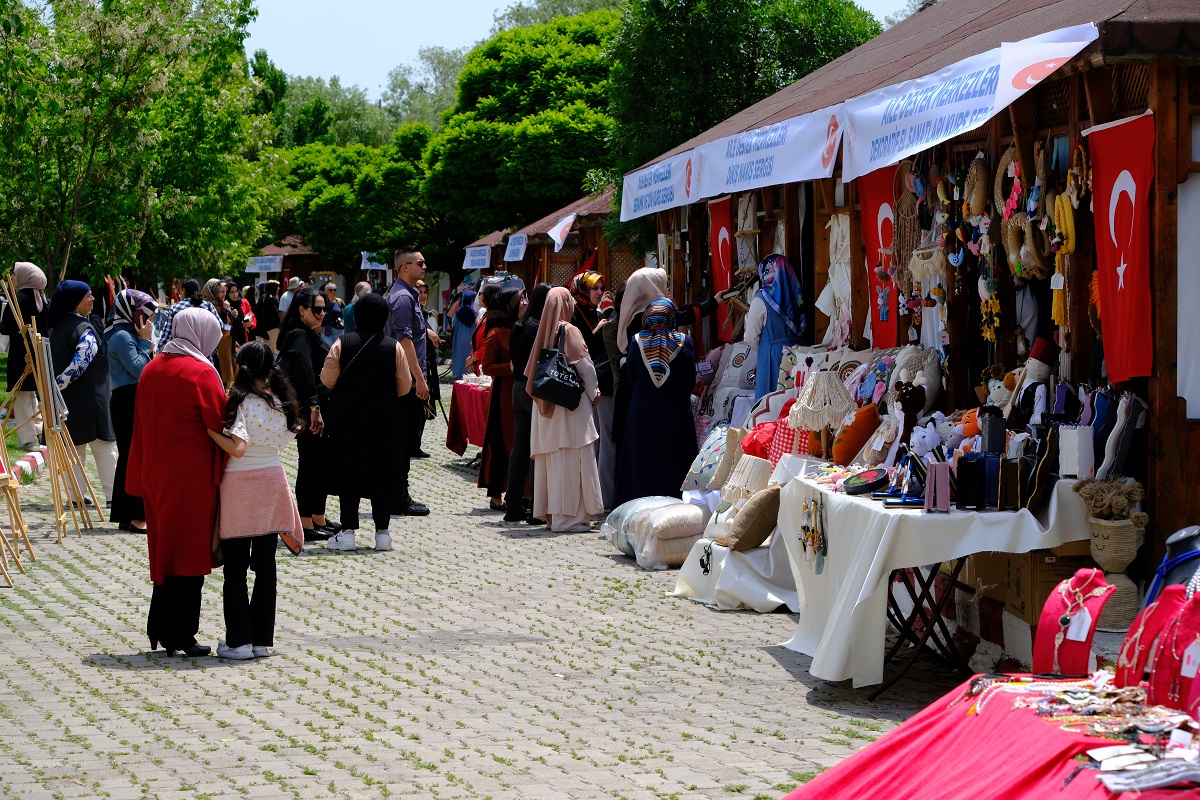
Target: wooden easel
61,458
8,481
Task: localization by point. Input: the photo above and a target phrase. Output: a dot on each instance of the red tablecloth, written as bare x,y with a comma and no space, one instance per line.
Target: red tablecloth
468,416
1002,754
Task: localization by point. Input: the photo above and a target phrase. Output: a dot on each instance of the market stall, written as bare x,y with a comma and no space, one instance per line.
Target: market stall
468,415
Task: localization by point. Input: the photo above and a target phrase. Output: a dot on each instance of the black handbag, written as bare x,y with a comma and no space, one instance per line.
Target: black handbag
554,379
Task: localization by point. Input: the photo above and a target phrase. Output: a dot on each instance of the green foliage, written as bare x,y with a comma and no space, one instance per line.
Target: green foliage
426,92
272,82
679,67
529,122
352,118
527,14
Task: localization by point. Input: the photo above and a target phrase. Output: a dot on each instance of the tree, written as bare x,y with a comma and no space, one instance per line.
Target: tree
352,118
527,14
679,67
84,137
425,92
312,122
911,7
529,122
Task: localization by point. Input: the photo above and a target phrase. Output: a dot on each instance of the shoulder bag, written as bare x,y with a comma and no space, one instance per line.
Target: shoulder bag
554,379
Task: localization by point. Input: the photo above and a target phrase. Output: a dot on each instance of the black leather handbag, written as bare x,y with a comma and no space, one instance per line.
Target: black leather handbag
554,379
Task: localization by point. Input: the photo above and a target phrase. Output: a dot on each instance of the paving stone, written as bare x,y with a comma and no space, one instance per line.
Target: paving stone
471,661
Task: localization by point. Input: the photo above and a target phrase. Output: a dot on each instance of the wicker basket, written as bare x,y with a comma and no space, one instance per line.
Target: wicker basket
1114,543
1122,605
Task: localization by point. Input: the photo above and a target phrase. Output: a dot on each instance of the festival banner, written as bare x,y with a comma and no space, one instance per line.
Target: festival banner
875,193
898,121
781,153
516,247
720,248
367,264
476,258
264,264
561,230
670,183
1122,157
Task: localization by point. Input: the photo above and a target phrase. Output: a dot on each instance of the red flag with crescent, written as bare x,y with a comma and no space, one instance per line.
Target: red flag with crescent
1122,169
875,195
720,248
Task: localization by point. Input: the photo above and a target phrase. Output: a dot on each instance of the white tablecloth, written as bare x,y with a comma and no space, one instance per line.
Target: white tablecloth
843,611
760,579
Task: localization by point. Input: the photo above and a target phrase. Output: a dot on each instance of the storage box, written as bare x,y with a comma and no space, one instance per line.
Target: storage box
1032,576
986,573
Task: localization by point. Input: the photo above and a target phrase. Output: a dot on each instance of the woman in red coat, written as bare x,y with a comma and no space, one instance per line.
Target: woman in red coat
495,360
176,468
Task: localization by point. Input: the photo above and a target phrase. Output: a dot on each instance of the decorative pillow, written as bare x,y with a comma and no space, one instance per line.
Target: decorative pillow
725,377
849,361
755,521
851,438
793,356
748,477
783,440
757,442
741,360
770,406
733,452
676,521
704,466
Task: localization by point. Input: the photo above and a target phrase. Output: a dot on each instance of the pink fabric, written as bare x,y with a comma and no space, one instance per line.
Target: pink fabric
255,502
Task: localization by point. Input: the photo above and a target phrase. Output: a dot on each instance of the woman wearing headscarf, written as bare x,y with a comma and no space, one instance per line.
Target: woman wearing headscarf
566,484
175,467
495,359
301,356
127,346
241,318
366,373
587,289
660,435
775,320
30,283
462,321
215,292
520,467
266,313
81,372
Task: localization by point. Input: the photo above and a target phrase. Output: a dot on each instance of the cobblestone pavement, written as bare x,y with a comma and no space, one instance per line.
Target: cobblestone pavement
473,661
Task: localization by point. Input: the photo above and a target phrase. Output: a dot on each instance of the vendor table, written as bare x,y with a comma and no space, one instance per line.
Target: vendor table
844,610
468,416
1004,753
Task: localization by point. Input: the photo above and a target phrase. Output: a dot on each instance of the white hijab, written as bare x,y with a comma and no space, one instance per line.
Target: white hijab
644,286
195,332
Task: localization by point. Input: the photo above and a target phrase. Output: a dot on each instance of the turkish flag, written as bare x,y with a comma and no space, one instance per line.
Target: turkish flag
1122,169
875,193
720,246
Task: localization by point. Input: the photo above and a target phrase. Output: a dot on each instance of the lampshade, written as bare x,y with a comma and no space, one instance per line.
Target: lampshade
823,403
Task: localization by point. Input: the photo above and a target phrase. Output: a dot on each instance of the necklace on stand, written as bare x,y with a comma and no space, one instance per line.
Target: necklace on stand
1133,646
1074,606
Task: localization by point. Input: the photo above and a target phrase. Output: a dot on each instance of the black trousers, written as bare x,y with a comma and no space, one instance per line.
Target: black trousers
410,422
175,611
381,512
125,507
520,466
311,491
250,620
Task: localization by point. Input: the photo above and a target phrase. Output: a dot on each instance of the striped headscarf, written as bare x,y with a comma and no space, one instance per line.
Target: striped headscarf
126,305
658,341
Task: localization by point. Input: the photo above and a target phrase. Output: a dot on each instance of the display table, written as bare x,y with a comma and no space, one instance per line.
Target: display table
468,416
843,611
760,579
1001,754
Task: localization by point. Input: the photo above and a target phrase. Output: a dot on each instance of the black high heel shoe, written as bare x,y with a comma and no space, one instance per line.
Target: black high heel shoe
193,650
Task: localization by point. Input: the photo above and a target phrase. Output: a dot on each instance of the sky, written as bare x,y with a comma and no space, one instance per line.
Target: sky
360,41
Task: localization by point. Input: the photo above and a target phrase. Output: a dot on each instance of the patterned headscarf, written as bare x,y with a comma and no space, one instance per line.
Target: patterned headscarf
658,341
209,292
126,305
27,275
781,291
582,285
644,285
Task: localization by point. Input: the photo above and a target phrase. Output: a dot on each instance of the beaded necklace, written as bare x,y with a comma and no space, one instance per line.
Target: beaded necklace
1073,606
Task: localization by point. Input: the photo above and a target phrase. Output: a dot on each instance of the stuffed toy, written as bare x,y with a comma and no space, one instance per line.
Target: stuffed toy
910,399
869,391
923,440
999,390
879,446
1029,400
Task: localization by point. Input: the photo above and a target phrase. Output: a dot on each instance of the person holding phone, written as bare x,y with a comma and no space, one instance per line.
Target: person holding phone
126,343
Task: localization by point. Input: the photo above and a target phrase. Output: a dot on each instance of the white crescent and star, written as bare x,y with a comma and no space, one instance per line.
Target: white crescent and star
722,246
1124,184
885,213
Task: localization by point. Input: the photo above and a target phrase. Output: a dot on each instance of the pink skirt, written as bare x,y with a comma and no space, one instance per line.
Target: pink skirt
255,502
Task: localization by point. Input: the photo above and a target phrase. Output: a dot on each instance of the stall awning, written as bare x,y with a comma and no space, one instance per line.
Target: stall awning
920,48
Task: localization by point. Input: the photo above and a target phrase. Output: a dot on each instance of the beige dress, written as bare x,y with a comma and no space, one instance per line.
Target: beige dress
566,481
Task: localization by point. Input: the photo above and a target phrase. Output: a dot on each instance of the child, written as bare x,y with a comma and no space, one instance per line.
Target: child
256,502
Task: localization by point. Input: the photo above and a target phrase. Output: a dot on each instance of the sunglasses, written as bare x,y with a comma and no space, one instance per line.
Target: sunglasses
420,263
318,310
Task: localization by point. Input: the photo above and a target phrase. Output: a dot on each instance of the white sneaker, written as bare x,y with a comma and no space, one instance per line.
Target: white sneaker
383,541
343,540
243,652
262,652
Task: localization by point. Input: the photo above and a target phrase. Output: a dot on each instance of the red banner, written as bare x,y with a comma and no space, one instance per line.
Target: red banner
1122,169
720,247
875,193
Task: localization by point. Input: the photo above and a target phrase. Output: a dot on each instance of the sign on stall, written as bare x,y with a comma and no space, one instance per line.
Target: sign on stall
516,247
264,264
477,258
898,121
781,153
668,184
367,264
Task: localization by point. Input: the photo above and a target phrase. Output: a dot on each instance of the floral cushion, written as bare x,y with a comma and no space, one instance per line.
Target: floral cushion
704,466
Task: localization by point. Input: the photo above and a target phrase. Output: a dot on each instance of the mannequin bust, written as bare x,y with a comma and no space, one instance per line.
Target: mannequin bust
1183,541
1067,624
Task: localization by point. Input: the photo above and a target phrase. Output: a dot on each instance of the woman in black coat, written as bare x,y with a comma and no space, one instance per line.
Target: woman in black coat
30,283
301,357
